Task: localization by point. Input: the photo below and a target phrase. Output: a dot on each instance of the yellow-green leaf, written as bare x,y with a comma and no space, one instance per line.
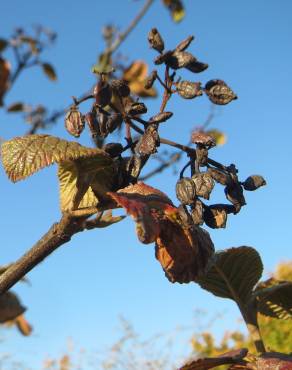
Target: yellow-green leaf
74,189
49,71
219,137
176,9
23,156
233,273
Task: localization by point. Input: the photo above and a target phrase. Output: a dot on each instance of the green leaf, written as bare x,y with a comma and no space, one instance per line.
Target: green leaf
16,107
49,71
233,273
3,44
23,156
274,298
99,68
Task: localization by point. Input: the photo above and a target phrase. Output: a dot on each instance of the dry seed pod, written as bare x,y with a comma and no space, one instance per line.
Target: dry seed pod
113,149
135,108
161,117
234,193
150,80
184,44
184,215
188,89
204,184
163,58
102,124
103,93
197,67
180,59
91,120
155,40
148,142
219,92
202,139
215,216
121,87
197,213
254,182
219,176
186,191
114,121
202,156
74,121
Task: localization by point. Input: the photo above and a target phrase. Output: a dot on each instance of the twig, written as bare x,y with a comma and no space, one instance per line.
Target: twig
114,46
174,158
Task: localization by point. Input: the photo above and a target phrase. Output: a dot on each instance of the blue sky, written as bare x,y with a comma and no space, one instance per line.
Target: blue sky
82,288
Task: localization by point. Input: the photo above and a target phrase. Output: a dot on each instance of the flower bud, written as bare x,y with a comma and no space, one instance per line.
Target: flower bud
155,40
74,121
189,90
186,191
219,92
204,184
161,117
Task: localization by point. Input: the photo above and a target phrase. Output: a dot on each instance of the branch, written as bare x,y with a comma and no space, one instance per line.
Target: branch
58,234
173,159
114,46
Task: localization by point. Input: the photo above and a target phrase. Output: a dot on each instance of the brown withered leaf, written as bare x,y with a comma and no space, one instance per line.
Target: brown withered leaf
4,78
23,325
10,307
136,75
49,71
232,357
182,251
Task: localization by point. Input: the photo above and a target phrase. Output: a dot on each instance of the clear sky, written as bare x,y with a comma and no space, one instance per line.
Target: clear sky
82,288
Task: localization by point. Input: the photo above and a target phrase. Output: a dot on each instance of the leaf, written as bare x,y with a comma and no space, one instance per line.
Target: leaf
136,75
274,298
233,273
23,156
3,44
182,251
176,9
16,107
219,137
10,307
4,78
49,71
23,325
73,193
232,357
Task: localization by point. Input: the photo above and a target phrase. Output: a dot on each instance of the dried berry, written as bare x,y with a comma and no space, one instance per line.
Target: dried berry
161,117
201,138
113,149
135,108
215,216
121,87
219,92
234,193
148,142
189,90
150,80
186,191
254,182
74,121
204,184
180,59
184,44
155,40
197,213
219,176
103,93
